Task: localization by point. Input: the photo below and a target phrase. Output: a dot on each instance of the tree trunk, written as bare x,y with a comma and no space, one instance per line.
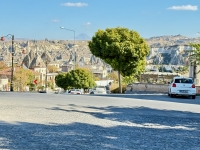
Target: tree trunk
120,83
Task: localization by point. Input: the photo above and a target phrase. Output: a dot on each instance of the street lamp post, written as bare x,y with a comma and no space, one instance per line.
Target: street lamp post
74,45
46,78
46,63
12,71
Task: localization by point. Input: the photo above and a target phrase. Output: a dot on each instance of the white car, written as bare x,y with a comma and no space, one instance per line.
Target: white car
182,86
76,91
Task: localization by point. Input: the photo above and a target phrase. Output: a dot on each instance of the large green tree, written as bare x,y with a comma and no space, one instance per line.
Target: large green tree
121,48
79,78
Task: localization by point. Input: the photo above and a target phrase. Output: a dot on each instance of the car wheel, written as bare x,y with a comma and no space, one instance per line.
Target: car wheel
168,94
193,96
172,95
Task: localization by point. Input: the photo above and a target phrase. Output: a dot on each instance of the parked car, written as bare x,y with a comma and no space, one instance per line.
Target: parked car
66,92
182,86
98,90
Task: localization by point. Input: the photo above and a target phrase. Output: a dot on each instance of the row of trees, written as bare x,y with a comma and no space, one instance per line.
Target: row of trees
25,77
21,76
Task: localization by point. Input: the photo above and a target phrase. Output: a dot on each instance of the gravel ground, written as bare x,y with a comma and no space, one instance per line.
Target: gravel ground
43,121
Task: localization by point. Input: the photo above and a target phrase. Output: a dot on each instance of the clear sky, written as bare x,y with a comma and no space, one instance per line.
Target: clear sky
40,19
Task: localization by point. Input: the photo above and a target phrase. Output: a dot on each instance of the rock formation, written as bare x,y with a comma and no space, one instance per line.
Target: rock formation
172,50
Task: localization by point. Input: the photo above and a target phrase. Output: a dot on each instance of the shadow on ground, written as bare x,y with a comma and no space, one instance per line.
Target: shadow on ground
144,128
158,97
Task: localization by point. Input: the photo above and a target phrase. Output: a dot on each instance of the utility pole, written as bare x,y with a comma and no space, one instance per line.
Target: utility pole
46,68
74,45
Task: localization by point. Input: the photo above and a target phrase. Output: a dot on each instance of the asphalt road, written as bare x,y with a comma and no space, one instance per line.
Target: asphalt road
122,122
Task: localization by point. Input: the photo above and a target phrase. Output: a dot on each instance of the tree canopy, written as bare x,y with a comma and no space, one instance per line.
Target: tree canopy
60,81
122,48
23,77
79,78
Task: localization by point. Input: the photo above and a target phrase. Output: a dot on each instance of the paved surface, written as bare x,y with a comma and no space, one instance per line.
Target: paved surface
122,122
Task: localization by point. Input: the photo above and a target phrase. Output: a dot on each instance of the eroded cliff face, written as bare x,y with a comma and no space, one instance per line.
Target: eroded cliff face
172,50
174,55
38,51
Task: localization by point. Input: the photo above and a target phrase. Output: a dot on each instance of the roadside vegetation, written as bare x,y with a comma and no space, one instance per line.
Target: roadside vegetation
79,78
23,78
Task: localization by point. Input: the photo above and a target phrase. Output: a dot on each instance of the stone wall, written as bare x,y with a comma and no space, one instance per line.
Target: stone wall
150,88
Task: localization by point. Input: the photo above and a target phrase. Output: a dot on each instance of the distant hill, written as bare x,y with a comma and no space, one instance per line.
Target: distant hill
165,41
164,50
83,36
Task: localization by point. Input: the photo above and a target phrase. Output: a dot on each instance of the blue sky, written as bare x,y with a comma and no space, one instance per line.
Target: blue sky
40,19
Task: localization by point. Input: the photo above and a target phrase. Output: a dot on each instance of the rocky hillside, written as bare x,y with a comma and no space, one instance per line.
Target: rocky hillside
166,41
172,50
164,50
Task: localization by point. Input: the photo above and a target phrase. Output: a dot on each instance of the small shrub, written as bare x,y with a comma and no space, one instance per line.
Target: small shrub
116,89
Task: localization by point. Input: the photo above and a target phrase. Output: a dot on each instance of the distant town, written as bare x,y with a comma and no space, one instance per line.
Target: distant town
167,54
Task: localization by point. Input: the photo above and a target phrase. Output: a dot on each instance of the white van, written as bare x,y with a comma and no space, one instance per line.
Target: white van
98,90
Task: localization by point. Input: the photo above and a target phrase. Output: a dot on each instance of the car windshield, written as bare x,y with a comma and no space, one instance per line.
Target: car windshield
184,80
100,87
